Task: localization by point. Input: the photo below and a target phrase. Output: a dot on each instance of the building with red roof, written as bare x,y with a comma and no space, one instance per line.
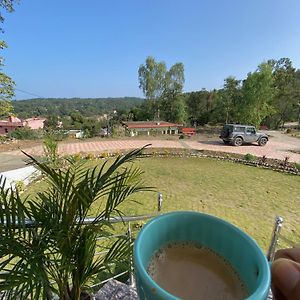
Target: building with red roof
150,128
12,123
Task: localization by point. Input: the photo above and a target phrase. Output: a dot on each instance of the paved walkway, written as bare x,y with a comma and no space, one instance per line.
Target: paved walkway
278,147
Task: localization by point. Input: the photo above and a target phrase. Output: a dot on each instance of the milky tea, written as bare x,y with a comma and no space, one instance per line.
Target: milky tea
191,272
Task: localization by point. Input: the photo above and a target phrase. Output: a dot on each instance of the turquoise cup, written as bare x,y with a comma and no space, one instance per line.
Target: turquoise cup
241,251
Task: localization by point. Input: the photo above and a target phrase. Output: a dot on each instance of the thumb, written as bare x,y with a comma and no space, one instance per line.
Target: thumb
286,278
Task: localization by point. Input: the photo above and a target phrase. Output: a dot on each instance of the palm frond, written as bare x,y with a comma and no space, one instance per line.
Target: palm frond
59,244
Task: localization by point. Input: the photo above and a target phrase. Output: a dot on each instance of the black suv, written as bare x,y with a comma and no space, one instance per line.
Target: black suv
237,135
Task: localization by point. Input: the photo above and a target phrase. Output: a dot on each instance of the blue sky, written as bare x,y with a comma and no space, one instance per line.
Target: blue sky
93,48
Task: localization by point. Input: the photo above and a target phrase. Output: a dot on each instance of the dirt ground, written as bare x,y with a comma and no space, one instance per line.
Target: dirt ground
279,146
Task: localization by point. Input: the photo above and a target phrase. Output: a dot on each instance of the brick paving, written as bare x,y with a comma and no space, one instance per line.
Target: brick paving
276,147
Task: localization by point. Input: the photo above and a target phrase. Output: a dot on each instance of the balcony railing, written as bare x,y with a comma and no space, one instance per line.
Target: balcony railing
128,234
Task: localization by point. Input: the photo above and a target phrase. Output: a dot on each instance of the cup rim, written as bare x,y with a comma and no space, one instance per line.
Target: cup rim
263,286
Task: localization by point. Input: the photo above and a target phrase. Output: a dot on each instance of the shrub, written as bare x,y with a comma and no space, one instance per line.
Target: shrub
286,161
45,259
20,185
77,157
297,166
289,130
3,139
264,159
90,156
25,133
104,155
249,157
59,135
181,137
51,149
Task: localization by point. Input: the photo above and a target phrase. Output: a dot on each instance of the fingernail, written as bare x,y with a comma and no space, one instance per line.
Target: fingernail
285,274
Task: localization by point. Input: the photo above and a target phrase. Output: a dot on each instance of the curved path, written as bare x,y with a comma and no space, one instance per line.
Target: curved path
278,147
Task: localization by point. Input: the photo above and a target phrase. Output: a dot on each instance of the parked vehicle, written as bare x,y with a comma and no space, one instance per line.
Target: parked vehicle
236,134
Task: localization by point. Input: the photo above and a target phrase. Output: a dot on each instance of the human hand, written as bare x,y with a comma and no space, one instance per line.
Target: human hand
286,274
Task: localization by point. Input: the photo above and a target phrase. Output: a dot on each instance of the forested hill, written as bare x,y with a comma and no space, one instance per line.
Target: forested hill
64,107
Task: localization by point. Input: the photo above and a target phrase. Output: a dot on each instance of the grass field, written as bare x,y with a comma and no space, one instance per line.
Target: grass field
246,196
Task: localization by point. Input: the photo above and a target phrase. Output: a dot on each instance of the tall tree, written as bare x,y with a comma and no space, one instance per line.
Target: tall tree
228,99
199,106
6,83
173,108
6,89
286,92
258,93
162,89
152,81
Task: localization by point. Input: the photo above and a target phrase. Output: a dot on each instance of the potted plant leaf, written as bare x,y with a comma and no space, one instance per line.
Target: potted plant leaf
47,248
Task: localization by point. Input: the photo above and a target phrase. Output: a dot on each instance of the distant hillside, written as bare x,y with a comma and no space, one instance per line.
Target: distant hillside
63,106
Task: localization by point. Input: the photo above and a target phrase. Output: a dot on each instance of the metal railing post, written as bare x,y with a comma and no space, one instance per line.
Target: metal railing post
131,277
274,240
159,202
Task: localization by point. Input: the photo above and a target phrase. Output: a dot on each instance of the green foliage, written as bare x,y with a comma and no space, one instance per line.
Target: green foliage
249,157
51,123
6,88
173,108
297,166
287,92
8,5
200,106
6,83
51,150
20,185
269,96
228,99
62,248
61,107
162,89
152,78
258,93
90,156
25,133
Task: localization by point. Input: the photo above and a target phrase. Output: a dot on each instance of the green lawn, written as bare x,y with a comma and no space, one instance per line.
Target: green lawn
248,197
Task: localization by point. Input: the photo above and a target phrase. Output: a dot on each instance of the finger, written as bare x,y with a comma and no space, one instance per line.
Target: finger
292,253
286,279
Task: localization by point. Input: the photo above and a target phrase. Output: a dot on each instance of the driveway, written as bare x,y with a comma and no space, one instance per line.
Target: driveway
278,147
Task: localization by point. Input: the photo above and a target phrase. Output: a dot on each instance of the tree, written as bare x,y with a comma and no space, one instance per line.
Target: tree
6,83
6,89
7,5
258,92
162,89
152,82
51,123
228,99
61,254
286,92
173,108
198,109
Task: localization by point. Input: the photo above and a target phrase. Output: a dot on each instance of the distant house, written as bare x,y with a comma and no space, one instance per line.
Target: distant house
150,128
12,123
76,133
34,123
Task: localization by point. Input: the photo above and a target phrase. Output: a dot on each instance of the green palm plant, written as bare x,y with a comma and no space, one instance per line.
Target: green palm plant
46,246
